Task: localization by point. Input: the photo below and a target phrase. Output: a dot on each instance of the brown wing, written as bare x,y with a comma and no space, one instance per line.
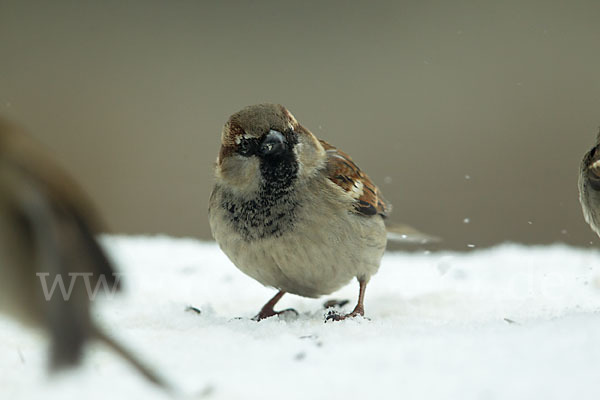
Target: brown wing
342,171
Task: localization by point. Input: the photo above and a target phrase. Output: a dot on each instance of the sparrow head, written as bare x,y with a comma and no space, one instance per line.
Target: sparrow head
590,166
589,186
263,144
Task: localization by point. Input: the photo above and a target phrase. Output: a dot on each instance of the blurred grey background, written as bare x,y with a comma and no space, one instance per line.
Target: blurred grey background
472,116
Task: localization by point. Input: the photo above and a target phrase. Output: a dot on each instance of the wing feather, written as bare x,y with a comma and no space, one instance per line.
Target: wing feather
344,172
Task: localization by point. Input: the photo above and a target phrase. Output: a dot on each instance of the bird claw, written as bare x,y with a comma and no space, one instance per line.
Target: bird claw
333,315
264,314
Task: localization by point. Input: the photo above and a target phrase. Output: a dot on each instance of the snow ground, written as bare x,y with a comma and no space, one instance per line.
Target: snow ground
511,322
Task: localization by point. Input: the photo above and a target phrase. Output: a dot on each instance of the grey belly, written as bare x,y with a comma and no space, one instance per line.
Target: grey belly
313,259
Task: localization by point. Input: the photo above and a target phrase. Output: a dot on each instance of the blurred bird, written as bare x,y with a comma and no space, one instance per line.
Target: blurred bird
47,235
295,212
589,186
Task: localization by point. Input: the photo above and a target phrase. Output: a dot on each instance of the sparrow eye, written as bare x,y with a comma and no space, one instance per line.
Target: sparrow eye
245,147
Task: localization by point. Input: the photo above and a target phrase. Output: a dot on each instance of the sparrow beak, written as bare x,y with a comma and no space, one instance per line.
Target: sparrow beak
273,144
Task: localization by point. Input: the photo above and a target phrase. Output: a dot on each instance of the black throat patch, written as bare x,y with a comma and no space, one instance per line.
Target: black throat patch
272,212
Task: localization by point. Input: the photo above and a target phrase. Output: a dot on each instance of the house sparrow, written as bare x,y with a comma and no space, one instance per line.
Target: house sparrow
47,232
292,211
589,186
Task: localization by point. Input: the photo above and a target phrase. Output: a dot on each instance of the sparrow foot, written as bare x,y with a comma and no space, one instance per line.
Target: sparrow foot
264,314
333,315
359,310
267,310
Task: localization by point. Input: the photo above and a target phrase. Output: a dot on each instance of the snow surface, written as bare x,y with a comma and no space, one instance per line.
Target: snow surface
512,322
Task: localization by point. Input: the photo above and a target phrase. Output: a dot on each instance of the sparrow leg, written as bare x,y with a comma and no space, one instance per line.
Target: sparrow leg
267,310
358,310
